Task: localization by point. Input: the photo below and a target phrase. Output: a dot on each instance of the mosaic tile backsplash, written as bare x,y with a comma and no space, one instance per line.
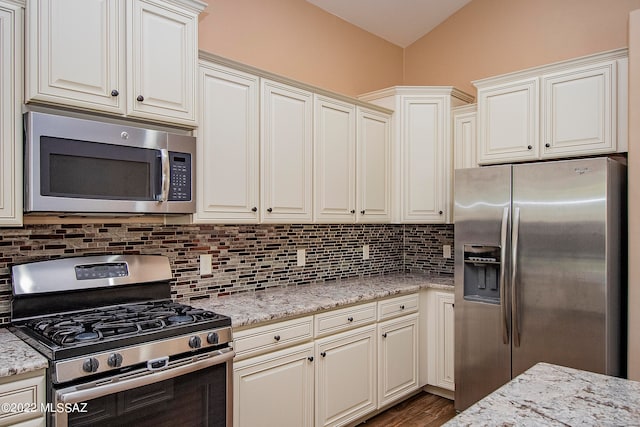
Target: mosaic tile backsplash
245,257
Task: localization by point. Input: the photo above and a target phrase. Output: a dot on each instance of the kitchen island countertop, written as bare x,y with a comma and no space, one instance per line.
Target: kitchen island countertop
16,357
250,308
552,395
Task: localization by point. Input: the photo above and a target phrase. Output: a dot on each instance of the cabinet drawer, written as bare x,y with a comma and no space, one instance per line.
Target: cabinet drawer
24,392
266,338
397,306
345,318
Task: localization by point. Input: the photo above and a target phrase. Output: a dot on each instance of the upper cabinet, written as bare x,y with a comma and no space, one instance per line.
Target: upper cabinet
571,108
11,18
228,146
136,58
464,136
421,154
286,129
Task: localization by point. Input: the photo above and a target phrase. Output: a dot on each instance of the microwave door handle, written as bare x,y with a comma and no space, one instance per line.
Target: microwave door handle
166,171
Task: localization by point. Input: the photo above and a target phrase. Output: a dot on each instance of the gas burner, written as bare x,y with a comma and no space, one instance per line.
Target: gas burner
180,319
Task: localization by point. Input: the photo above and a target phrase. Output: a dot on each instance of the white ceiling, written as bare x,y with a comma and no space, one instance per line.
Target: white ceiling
400,22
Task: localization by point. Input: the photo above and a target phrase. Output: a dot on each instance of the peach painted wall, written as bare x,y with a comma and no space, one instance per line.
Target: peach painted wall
492,37
296,39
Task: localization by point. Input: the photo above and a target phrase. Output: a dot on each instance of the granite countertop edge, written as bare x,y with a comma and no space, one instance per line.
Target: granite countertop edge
280,303
17,357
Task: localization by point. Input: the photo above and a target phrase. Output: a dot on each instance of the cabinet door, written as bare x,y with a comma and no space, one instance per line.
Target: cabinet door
508,120
441,339
275,389
579,108
10,115
374,172
335,164
464,138
161,61
345,376
75,53
426,159
397,358
286,142
228,146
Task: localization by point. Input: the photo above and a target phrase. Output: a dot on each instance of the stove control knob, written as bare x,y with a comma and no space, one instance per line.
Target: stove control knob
90,365
195,342
114,360
212,338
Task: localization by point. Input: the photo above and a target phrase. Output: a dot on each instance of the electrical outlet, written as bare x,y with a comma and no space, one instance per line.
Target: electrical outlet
301,258
446,251
205,264
365,252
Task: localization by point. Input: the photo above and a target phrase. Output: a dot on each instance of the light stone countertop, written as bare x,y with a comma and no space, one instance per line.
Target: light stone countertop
552,395
277,303
17,357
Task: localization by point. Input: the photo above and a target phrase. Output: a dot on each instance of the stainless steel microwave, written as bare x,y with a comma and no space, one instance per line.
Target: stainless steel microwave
77,165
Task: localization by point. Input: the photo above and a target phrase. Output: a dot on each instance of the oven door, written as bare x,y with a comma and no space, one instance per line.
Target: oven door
192,392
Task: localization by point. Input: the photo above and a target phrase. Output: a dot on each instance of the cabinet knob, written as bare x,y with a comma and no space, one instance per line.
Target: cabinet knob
353,211
350,319
529,147
323,354
547,145
310,358
384,335
254,209
402,307
440,212
140,98
277,337
115,93
269,210
362,211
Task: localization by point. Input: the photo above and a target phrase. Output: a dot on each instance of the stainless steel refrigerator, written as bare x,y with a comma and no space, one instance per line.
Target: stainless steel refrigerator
538,270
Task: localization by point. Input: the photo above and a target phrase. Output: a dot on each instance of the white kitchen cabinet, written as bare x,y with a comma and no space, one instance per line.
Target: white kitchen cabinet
373,166
228,157
422,154
345,376
24,390
571,108
276,389
287,158
440,339
334,160
397,358
578,111
11,83
464,136
136,58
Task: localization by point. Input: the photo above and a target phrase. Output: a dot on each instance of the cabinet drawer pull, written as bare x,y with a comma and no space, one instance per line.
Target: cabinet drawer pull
402,307
310,358
115,93
254,209
323,354
547,145
269,210
362,211
277,337
440,212
350,319
353,211
529,147
384,335
140,98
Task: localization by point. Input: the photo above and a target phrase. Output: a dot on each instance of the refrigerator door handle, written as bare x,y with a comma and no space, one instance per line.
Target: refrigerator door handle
514,274
503,253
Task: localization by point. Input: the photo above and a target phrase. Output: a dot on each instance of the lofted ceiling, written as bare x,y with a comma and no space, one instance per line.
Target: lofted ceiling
400,22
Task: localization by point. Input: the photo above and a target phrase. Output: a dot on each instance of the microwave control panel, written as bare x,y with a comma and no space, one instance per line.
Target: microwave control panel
180,186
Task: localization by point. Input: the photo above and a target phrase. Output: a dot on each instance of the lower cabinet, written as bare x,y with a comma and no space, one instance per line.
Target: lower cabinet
20,399
275,389
397,358
346,376
330,369
440,340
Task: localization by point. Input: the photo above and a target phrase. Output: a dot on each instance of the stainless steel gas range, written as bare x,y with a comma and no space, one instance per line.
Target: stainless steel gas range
120,351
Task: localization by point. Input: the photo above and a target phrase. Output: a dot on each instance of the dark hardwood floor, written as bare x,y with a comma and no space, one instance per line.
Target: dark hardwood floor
422,410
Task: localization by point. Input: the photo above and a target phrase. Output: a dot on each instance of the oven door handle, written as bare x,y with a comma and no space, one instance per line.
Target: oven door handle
74,395
166,176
